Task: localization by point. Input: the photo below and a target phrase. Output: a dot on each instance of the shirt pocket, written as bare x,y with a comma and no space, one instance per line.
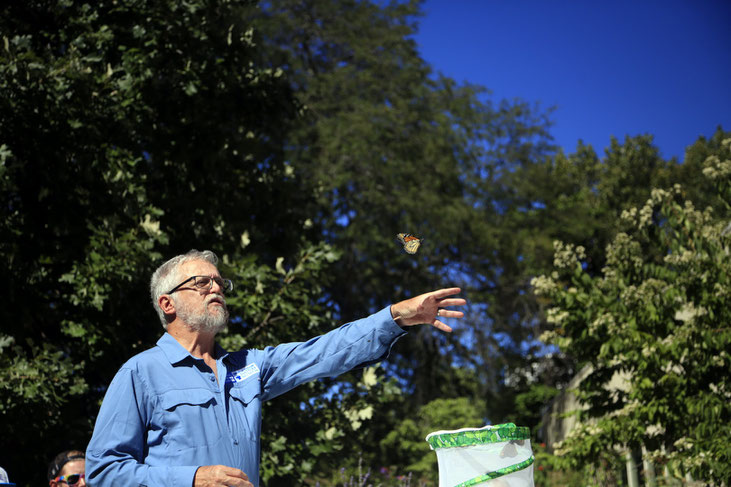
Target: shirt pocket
247,391
189,418
246,408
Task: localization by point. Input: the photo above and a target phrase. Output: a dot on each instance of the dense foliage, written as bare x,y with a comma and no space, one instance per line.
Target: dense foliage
295,139
130,131
656,319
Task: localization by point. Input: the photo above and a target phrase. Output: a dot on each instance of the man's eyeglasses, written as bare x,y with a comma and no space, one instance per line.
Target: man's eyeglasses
70,479
205,283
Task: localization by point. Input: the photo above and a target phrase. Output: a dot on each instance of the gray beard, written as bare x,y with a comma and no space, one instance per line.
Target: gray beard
205,322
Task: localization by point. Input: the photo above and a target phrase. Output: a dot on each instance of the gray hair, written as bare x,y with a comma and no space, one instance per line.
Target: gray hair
167,276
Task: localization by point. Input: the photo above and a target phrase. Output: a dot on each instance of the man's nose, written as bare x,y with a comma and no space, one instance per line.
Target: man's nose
217,288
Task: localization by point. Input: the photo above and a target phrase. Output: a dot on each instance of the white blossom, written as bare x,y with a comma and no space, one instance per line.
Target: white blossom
150,226
714,168
567,255
556,315
646,215
245,240
689,312
543,284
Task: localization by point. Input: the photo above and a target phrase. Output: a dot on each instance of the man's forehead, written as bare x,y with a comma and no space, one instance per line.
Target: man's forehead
199,268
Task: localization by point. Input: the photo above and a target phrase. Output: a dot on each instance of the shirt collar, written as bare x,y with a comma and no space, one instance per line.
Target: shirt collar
177,354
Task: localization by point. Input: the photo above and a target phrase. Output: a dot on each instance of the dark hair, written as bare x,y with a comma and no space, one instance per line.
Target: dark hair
62,459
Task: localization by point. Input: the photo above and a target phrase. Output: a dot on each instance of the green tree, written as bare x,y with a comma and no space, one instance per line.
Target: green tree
656,319
387,146
131,131
576,198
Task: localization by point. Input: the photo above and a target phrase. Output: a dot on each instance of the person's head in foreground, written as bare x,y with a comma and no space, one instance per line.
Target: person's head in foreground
188,290
67,469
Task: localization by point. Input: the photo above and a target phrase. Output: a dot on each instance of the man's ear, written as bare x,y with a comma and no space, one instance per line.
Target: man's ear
166,304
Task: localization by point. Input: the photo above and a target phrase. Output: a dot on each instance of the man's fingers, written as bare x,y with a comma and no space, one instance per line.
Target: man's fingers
237,478
441,326
443,293
452,302
220,475
448,313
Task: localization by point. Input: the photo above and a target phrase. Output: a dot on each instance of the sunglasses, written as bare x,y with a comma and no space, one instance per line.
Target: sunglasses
70,479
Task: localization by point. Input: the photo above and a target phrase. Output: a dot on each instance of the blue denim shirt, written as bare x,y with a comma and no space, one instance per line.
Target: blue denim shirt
165,414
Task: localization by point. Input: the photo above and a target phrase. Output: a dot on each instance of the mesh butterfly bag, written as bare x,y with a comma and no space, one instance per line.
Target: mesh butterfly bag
491,456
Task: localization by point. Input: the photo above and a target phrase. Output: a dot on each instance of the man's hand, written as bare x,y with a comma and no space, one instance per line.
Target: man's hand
220,476
428,308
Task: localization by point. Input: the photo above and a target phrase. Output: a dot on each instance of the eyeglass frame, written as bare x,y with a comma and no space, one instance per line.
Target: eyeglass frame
226,285
62,478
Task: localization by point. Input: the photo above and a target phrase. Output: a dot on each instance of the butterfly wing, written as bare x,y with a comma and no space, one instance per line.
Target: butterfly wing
410,242
412,246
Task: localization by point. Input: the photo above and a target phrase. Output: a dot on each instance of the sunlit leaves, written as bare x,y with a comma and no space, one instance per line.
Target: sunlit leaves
659,315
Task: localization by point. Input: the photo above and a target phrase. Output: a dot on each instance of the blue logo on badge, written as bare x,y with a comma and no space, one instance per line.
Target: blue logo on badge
242,374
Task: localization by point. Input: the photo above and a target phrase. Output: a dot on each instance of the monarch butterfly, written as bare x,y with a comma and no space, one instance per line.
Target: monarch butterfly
410,242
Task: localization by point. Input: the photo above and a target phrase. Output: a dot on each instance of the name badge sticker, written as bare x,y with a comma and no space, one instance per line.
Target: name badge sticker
242,374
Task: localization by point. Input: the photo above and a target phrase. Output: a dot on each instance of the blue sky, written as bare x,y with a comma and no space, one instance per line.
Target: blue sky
614,67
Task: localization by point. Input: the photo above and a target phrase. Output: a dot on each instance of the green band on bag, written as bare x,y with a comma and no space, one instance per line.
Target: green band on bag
496,434
498,473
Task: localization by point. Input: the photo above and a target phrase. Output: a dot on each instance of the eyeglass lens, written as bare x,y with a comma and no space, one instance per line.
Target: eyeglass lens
73,479
203,282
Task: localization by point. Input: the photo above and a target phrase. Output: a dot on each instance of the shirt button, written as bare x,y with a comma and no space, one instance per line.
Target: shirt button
213,379
236,442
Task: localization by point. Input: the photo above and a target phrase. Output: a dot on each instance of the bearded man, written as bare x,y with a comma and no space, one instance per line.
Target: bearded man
188,413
